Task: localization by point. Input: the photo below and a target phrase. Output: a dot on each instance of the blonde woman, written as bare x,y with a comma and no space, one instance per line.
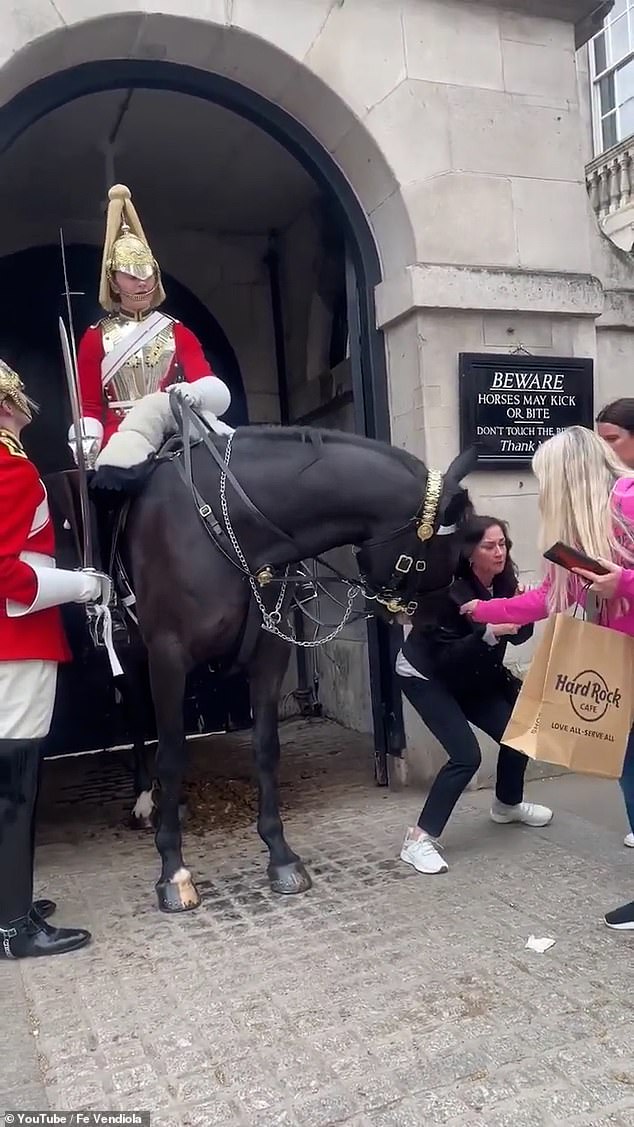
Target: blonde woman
586,500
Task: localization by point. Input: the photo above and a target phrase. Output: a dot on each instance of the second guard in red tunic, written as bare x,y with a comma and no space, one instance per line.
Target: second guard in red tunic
32,645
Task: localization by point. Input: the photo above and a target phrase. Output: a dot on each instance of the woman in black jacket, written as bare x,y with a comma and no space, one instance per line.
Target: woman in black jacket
453,674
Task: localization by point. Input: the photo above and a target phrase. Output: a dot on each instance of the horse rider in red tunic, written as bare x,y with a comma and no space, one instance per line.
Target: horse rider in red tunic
136,350
32,644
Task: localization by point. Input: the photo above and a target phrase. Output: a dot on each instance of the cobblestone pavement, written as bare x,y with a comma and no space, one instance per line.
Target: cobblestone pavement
381,997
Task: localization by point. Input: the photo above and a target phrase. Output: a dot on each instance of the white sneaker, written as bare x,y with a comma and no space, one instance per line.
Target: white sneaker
423,854
629,841
528,813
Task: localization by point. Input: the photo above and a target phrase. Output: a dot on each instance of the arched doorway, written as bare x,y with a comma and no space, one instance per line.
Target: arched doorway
58,89
363,268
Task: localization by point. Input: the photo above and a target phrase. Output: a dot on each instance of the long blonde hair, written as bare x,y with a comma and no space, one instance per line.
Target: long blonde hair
576,472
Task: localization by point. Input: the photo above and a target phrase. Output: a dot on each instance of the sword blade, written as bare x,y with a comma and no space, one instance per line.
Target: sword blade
73,394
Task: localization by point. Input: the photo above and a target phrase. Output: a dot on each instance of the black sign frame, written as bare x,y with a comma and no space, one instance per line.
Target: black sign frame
477,370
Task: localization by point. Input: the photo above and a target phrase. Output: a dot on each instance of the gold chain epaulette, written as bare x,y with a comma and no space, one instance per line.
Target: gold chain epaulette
13,444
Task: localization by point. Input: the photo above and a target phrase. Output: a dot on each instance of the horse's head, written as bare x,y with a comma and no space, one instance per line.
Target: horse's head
410,568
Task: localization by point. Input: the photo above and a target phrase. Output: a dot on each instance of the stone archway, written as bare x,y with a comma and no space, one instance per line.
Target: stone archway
252,44
275,72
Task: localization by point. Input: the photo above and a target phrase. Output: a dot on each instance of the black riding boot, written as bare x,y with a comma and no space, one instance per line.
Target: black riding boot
44,908
23,931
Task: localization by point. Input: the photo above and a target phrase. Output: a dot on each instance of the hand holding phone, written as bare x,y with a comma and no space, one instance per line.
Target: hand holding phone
565,556
602,576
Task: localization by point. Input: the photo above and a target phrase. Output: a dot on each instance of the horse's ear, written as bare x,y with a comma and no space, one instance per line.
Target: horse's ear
464,464
459,509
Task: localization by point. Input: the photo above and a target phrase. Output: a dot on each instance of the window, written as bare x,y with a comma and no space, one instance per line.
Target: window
612,70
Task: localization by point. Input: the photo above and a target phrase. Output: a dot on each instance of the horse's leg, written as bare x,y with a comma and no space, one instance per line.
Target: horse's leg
136,699
175,889
143,809
286,872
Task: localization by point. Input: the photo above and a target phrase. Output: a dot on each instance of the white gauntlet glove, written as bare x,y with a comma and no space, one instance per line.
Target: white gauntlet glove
91,439
56,586
209,393
187,392
92,587
90,450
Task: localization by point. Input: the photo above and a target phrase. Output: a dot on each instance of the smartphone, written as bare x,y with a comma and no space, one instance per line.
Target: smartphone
569,558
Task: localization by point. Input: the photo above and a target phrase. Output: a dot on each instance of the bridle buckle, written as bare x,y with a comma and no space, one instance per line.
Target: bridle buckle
404,564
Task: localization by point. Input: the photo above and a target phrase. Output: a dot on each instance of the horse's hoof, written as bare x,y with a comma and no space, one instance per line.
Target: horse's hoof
288,880
179,894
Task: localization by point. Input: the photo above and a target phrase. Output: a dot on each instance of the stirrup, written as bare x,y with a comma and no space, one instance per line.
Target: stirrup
120,631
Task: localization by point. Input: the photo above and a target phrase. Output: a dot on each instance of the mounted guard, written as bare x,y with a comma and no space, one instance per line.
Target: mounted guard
135,351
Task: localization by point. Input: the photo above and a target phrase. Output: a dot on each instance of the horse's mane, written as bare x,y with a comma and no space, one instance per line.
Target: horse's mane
332,437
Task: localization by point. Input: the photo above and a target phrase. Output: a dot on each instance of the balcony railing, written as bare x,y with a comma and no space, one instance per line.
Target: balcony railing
610,180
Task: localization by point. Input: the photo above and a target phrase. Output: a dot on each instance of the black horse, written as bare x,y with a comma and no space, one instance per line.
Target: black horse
289,494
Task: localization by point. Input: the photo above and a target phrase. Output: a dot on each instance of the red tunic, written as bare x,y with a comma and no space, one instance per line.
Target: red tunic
188,355
25,526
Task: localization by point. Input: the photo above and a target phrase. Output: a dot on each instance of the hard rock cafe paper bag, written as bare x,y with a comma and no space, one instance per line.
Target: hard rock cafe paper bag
575,706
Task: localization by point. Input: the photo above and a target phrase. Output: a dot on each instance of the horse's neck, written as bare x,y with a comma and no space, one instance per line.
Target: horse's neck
370,480
346,492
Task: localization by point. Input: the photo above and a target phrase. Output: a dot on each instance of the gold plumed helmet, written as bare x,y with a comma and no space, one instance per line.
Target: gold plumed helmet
126,249
12,388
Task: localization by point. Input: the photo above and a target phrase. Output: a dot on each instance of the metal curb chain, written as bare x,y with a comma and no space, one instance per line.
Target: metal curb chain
352,594
272,619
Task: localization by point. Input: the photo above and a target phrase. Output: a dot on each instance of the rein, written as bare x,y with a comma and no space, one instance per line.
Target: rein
187,416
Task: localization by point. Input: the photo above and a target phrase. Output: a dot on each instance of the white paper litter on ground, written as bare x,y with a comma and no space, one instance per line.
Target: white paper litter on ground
539,945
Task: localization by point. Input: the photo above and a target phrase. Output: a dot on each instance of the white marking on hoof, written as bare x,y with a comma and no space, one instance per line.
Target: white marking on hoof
144,805
181,876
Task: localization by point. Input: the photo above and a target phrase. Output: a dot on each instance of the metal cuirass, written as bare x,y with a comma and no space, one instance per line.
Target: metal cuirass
144,371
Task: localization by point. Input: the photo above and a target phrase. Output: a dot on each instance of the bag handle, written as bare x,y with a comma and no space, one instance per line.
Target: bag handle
591,612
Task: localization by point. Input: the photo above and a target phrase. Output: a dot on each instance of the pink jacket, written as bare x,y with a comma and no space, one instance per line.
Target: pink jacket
533,605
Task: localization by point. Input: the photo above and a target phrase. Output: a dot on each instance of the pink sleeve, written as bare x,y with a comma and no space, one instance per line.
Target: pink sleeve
624,499
625,589
532,606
